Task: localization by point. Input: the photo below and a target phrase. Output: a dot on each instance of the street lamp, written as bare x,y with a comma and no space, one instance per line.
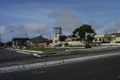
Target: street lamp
13,44
0,40
0,37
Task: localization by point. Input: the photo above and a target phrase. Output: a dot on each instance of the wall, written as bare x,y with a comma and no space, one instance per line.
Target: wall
74,43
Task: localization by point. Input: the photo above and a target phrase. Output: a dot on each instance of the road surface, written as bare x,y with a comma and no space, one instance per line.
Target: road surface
107,68
6,55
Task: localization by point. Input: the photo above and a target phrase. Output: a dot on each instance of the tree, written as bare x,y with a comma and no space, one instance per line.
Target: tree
86,34
62,38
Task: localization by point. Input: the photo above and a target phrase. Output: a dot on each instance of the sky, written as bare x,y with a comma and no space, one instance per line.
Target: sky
31,18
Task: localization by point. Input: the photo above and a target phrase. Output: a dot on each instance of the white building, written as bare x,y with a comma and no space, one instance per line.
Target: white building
57,34
107,39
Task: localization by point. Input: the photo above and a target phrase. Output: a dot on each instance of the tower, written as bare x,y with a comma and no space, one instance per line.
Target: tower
57,34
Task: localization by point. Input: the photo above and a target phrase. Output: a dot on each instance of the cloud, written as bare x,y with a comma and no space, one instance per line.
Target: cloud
25,30
113,27
6,28
66,19
34,27
2,30
97,25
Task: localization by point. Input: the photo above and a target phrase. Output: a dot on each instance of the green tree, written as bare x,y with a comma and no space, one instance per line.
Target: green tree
62,38
86,34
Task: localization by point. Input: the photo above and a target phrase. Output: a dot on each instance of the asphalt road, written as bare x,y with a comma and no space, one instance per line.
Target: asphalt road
98,69
6,55
10,58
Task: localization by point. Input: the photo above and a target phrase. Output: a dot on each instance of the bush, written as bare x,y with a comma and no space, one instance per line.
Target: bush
87,46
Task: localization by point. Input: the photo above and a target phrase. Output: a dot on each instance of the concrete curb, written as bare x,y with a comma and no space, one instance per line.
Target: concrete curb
30,51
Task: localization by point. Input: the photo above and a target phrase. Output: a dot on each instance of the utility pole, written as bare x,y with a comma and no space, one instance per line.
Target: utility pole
0,40
0,37
12,45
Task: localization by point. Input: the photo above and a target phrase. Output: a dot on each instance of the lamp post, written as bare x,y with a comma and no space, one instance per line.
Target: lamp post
13,44
0,37
0,40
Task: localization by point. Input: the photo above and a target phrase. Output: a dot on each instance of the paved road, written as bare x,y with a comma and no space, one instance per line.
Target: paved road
10,58
6,55
98,69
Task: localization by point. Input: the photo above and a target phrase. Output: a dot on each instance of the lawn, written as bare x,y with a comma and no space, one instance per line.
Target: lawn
41,49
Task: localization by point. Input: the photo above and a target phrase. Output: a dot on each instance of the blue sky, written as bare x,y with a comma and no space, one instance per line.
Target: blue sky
34,17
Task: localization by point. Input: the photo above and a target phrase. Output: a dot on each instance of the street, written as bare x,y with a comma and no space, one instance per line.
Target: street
97,69
10,57
7,55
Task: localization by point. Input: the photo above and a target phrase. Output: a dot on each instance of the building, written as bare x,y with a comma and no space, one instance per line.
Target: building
107,39
57,34
40,41
73,41
117,37
44,43
19,42
72,38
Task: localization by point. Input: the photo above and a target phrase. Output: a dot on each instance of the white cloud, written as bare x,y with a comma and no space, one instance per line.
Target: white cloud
2,29
24,30
98,26
66,19
113,27
34,27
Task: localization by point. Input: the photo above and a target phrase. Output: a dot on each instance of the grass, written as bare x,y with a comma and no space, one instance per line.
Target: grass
41,49
54,49
50,49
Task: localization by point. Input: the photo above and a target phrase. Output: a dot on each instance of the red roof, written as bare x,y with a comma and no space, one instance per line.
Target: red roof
116,34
